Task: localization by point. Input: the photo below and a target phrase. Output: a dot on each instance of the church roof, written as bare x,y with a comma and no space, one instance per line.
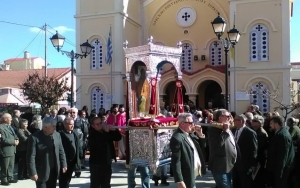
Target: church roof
12,78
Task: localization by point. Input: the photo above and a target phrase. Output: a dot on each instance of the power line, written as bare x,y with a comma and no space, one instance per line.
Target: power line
25,25
18,24
67,40
26,46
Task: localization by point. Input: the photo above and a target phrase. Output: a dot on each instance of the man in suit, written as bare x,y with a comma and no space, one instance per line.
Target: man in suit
246,140
222,153
70,142
16,120
187,159
9,141
45,155
281,155
262,145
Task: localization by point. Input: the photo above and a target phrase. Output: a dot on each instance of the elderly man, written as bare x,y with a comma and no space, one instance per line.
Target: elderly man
81,128
222,153
9,141
246,163
187,159
45,155
70,142
15,123
262,146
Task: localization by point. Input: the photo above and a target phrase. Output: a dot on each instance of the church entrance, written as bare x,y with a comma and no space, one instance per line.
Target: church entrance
210,95
170,92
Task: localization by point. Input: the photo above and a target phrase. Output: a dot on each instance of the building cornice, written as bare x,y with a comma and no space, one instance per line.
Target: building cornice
108,14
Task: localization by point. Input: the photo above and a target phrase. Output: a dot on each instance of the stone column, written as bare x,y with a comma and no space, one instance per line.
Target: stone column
192,97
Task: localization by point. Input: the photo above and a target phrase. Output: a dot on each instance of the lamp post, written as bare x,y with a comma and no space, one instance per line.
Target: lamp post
219,25
86,48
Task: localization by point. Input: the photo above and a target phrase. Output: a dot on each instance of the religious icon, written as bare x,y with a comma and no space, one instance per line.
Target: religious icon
178,83
153,82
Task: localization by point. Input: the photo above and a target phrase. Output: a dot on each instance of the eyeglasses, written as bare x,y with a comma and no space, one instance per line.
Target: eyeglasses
190,123
73,112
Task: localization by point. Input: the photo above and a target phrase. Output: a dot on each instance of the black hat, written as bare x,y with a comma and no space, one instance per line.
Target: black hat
121,106
115,106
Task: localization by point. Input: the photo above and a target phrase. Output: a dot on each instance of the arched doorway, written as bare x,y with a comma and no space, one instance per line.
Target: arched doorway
170,91
210,95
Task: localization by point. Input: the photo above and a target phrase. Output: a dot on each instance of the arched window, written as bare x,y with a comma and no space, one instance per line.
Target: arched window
187,57
260,96
259,43
97,98
97,55
216,53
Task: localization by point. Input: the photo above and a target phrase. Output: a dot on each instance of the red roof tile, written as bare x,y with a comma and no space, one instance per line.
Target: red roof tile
19,59
12,78
295,63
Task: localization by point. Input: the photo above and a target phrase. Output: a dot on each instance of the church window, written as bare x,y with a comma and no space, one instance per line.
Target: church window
97,55
97,98
216,53
259,95
259,43
186,57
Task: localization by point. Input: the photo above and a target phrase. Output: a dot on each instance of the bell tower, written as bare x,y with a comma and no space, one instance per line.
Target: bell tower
262,56
95,19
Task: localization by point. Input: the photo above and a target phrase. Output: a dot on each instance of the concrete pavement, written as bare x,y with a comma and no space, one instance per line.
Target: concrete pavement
119,180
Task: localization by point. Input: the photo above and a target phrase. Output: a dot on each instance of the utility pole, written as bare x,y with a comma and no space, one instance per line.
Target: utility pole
45,29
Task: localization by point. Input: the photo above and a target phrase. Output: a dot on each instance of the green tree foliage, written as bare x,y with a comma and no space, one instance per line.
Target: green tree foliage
46,91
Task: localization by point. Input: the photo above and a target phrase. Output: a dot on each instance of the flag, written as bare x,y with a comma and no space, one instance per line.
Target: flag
109,50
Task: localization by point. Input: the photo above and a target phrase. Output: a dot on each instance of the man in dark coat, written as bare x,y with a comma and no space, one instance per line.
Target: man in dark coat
70,142
9,141
16,120
45,155
246,163
187,159
280,155
223,152
262,146
81,128
99,141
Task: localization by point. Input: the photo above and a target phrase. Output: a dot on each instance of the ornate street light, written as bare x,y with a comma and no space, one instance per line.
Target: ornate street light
86,48
234,36
219,25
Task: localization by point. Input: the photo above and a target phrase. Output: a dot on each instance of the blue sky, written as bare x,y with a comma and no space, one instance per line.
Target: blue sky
59,14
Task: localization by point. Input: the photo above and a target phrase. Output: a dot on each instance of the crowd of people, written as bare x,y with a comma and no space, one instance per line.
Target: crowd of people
250,150
53,146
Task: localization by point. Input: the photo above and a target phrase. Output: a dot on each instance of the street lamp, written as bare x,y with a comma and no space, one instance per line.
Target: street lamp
219,25
86,48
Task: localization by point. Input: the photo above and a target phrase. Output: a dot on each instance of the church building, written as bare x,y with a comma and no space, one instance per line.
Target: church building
259,64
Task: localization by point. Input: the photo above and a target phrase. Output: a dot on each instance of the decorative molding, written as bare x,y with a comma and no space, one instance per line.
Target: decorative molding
205,78
259,20
264,79
96,84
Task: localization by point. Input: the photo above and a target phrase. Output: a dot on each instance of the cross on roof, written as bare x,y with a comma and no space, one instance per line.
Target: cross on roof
185,16
97,42
259,27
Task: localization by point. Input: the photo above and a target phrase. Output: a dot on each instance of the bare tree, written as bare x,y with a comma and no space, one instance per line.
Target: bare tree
273,95
46,91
